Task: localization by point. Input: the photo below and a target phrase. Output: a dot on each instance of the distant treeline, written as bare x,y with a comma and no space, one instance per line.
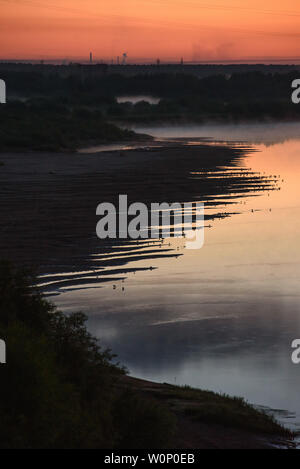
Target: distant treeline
56,112
251,95
164,85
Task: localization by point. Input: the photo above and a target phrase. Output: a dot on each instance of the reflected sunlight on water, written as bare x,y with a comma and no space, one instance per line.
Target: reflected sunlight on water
222,317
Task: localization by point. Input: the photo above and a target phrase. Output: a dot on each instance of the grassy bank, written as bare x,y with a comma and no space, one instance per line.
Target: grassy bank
210,420
60,389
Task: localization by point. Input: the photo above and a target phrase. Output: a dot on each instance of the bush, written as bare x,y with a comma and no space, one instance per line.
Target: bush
58,387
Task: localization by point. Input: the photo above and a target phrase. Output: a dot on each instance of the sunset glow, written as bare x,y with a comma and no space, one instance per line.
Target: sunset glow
197,30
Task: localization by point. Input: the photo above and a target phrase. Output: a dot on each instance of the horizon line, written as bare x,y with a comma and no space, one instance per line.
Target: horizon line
151,61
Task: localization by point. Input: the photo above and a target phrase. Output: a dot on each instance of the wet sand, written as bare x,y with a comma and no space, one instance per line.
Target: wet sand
48,200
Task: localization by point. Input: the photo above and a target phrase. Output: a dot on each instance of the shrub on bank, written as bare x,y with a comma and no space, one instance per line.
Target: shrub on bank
58,387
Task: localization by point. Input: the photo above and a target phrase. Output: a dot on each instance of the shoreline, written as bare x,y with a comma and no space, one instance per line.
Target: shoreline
212,430
48,221
48,200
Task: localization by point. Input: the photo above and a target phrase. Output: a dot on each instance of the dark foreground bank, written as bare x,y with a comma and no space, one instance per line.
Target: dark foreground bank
59,389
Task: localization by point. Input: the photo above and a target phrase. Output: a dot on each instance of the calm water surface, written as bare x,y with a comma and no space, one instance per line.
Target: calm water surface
222,317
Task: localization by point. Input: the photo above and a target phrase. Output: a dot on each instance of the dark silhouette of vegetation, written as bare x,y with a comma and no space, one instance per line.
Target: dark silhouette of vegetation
103,88
51,126
53,111
247,96
59,389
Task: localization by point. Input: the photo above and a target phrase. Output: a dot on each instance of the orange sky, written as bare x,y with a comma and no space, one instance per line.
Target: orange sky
147,29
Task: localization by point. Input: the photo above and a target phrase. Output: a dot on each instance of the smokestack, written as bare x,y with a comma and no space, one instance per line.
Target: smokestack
91,58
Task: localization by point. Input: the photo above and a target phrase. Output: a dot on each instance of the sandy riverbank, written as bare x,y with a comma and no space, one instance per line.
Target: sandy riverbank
48,200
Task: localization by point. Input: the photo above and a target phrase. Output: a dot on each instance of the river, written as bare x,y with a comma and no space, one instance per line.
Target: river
222,317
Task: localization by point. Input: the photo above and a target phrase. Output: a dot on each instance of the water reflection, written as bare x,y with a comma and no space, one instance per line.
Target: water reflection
254,133
223,190
223,317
